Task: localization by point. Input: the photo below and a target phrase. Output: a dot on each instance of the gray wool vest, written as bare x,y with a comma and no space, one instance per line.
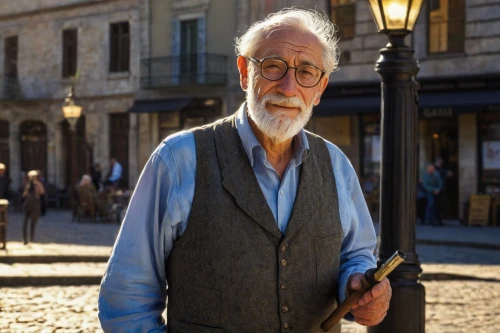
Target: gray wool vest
232,270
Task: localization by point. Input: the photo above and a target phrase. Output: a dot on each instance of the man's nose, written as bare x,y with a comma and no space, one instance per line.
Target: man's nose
287,85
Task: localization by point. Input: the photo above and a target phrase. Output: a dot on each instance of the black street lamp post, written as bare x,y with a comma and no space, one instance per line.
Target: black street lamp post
72,111
398,69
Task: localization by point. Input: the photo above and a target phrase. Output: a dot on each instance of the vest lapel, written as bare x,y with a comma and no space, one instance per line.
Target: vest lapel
239,179
308,196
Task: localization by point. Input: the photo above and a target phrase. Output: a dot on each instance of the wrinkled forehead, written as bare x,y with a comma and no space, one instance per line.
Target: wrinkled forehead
287,42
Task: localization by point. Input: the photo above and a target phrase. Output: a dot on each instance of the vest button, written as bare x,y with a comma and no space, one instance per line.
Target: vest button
286,324
283,285
283,262
284,308
283,248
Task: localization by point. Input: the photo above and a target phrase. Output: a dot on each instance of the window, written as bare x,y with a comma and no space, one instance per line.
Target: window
119,55
70,47
189,48
446,26
343,14
10,57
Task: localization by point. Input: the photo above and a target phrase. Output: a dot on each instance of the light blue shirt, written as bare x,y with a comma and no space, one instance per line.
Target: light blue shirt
133,289
116,172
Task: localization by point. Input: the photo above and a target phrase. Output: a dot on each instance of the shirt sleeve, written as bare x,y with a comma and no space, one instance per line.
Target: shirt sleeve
358,245
133,290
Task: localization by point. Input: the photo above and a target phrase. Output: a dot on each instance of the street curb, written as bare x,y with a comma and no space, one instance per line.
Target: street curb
50,259
42,281
484,246
450,277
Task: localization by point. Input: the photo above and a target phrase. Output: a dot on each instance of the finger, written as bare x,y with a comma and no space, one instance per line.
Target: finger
371,310
355,281
381,289
370,322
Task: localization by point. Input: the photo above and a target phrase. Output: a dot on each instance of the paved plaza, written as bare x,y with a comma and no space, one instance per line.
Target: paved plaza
462,282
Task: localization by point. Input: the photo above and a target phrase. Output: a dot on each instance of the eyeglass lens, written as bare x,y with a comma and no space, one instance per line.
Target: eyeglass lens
275,69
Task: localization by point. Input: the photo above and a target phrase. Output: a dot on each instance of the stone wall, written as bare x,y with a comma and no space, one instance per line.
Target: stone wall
39,25
40,49
482,47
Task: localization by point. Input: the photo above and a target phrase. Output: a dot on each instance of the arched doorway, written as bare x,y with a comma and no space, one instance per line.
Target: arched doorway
4,144
33,135
83,152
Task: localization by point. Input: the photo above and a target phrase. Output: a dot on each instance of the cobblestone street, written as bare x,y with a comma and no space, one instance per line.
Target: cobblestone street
468,303
452,307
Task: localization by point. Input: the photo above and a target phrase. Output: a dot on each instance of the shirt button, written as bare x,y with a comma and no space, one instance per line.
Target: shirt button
284,308
283,285
283,262
281,192
286,324
283,248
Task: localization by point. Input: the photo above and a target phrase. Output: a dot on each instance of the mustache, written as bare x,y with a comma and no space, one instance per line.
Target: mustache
290,102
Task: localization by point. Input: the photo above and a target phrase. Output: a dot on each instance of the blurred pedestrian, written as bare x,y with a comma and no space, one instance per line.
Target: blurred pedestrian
31,195
432,183
114,174
440,198
87,196
43,198
4,182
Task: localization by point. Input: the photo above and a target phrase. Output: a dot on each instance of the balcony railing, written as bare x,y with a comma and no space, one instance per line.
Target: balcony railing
191,69
10,88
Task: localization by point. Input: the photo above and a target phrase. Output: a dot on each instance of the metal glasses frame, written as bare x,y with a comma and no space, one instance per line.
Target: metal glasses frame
260,61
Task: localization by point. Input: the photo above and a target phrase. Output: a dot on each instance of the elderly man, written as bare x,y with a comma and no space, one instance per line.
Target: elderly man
250,224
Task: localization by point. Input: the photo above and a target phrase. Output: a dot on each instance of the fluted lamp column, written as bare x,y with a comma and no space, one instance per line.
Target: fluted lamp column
399,111
72,110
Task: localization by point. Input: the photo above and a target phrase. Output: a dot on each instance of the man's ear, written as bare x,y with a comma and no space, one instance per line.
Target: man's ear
322,86
243,69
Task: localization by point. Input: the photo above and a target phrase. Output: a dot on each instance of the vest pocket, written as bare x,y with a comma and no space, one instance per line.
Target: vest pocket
187,327
197,306
327,251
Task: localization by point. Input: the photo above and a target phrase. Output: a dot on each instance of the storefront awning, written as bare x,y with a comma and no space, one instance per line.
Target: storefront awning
159,105
463,101
458,101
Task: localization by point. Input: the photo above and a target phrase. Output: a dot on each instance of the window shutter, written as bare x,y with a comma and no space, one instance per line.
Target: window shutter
202,55
175,52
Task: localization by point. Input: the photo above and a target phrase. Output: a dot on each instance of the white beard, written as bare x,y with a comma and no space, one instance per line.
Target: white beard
277,125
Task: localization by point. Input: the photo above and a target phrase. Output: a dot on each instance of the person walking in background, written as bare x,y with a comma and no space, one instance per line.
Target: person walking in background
432,183
115,173
87,196
95,173
444,174
4,182
43,198
33,191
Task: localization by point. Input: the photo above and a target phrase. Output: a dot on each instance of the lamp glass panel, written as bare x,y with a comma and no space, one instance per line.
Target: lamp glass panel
72,111
377,14
395,13
414,11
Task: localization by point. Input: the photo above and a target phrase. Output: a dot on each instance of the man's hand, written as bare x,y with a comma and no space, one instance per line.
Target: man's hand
373,305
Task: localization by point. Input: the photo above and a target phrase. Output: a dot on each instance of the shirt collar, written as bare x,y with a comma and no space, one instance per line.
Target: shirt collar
250,142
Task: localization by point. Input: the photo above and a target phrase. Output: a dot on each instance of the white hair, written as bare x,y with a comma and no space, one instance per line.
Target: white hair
301,19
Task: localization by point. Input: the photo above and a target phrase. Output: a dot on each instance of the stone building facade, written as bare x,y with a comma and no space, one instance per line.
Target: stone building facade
188,63
456,44
34,132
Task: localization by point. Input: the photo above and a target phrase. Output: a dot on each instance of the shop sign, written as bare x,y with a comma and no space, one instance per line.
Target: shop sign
492,108
438,112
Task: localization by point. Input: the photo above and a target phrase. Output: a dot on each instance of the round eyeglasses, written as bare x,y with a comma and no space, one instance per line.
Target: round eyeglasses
274,69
